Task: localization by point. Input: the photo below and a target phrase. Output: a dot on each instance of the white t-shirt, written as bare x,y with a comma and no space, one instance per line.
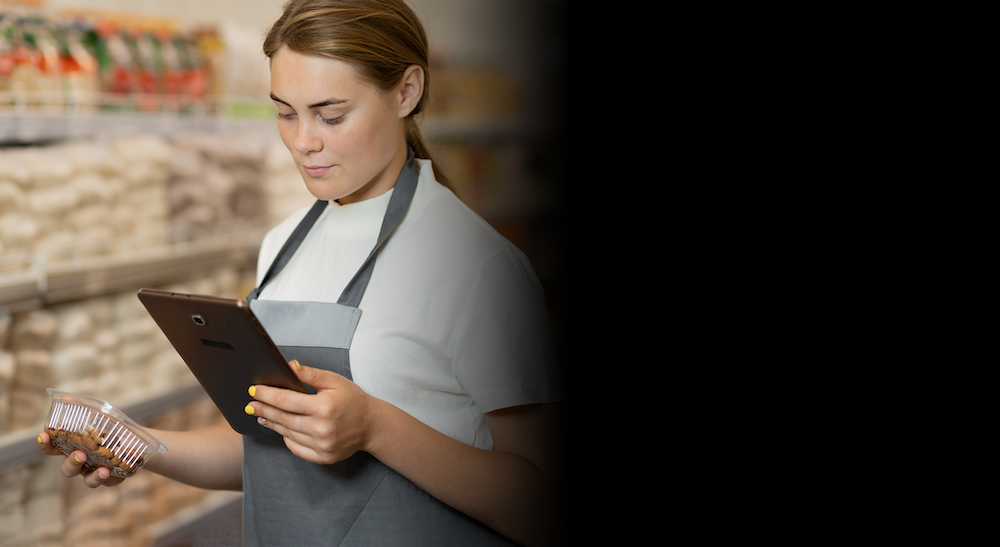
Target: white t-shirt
453,321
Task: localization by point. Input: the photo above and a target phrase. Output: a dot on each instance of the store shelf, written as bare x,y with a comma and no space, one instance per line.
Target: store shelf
19,447
19,291
50,283
105,275
38,126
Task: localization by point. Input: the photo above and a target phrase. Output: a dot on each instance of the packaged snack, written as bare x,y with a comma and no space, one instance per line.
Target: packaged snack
109,437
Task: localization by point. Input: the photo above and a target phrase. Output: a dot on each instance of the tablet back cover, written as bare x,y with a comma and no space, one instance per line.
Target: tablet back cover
226,349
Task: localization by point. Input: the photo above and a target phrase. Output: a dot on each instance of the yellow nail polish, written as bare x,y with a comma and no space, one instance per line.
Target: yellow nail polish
39,439
248,409
252,390
297,365
76,459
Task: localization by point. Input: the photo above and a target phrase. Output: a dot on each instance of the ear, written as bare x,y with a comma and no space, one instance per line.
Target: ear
410,90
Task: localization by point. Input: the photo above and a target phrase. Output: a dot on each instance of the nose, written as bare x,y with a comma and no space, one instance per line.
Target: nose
306,140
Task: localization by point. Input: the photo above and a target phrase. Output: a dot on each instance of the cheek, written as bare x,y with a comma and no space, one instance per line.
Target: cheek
346,139
287,134
355,141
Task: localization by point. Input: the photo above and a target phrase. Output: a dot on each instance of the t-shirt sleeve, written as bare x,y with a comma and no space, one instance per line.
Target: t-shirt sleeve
505,354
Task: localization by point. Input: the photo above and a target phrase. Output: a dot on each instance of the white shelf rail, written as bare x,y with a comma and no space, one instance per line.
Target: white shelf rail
42,278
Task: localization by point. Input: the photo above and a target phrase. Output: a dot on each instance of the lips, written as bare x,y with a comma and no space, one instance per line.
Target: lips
316,170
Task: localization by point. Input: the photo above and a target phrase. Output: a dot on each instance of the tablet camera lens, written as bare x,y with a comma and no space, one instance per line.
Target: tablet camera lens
198,320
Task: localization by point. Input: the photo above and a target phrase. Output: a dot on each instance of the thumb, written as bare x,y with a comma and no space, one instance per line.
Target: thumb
316,377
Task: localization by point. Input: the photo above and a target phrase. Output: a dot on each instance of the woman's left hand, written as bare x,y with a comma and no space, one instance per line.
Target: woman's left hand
324,428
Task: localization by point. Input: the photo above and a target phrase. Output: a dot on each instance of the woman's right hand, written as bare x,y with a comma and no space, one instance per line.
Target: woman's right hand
73,465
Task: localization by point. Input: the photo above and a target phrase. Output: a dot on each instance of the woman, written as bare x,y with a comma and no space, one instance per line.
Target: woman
423,332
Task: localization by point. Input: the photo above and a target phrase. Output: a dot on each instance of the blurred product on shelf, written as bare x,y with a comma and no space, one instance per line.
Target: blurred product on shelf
88,60
80,199
243,73
215,180
33,60
85,61
84,199
473,93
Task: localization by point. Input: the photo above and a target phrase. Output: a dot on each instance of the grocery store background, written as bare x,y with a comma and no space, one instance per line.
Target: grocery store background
138,149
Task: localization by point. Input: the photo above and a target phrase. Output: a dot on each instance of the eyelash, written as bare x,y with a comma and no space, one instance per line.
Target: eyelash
333,121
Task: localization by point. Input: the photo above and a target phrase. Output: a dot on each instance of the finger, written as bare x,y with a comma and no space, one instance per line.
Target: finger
278,428
113,481
305,452
73,464
317,377
95,479
276,419
293,401
46,447
293,439
276,397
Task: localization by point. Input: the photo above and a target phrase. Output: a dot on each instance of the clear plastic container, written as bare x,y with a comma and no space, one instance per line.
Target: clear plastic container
109,437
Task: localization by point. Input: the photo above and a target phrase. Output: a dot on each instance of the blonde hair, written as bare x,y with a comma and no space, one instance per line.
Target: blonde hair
380,38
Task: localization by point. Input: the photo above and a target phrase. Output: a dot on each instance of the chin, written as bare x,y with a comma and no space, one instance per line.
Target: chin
322,190
324,194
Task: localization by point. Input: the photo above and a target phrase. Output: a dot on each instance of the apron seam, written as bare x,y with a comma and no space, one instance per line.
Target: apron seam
367,501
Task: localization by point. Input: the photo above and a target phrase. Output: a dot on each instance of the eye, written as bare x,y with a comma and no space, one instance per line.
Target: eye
285,116
331,121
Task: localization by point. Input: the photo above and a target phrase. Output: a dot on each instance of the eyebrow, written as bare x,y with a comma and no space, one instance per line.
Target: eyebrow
320,104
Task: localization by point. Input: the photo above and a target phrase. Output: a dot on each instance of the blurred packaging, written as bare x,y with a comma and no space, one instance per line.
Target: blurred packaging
82,60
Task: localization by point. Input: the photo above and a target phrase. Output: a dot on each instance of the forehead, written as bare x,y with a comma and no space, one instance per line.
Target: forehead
299,77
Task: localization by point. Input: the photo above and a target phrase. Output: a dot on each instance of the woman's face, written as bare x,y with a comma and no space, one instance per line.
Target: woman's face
347,138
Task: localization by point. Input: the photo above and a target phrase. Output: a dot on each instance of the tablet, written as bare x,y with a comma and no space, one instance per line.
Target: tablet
226,349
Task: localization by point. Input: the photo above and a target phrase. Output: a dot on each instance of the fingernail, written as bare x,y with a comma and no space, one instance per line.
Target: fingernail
261,421
248,409
76,458
39,439
297,365
252,390
103,473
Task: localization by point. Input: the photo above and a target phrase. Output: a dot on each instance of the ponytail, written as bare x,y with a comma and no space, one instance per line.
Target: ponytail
416,141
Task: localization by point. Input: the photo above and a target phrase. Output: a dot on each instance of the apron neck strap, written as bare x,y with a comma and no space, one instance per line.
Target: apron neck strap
399,203
291,244
402,195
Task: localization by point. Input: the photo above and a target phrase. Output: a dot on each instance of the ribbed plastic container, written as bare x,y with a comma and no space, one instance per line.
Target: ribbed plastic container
109,437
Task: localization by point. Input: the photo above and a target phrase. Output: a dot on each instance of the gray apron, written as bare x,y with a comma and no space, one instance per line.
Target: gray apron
358,501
